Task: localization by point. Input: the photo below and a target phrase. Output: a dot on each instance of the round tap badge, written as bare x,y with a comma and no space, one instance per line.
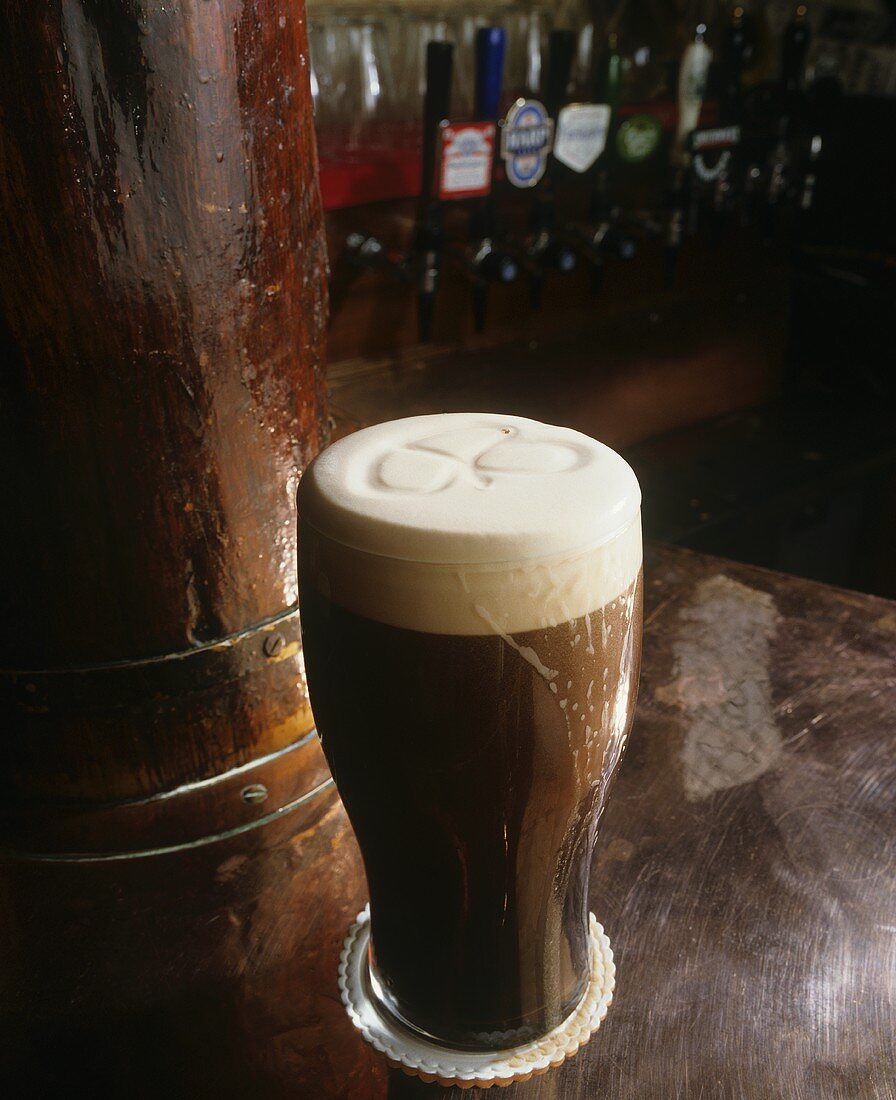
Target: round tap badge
638,138
526,136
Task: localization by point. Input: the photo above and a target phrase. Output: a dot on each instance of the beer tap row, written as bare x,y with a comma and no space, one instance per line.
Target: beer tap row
731,152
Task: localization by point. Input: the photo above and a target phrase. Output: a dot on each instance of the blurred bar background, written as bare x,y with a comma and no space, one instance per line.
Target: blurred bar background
756,302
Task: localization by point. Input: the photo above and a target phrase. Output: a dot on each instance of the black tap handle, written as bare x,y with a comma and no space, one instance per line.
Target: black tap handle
436,105
561,47
561,50
734,47
436,102
543,250
487,264
782,180
794,48
677,203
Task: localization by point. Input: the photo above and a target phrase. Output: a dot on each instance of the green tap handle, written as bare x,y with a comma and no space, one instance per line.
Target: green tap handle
608,74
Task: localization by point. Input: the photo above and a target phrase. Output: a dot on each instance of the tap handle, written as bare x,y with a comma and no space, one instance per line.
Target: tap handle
734,49
691,88
491,44
494,263
364,251
436,102
436,106
794,48
489,263
561,49
606,80
608,74
484,264
564,259
622,245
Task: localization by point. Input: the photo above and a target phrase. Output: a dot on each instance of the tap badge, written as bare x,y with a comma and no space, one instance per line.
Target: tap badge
638,138
526,137
581,134
467,152
711,151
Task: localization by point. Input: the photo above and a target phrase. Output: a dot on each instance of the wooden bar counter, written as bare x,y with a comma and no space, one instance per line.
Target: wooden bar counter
745,873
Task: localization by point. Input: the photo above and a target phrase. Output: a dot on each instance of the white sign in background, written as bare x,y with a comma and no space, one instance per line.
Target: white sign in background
581,137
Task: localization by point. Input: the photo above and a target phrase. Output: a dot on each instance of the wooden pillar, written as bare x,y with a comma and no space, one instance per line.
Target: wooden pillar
163,295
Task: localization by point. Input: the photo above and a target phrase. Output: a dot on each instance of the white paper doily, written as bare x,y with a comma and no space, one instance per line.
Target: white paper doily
462,1067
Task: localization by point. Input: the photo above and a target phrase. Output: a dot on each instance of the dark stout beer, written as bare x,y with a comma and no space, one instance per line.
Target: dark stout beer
473,760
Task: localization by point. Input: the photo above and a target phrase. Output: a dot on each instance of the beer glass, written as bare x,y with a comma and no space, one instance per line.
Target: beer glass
351,81
528,26
471,620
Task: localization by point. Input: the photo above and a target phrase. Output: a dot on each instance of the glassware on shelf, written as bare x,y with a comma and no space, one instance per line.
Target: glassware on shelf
528,27
368,76
352,81
466,23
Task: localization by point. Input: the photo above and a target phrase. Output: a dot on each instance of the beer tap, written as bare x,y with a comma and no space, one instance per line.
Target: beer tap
821,109
734,48
691,90
602,235
727,134
758,119
794,48
429,237
422,264
545,249
607,81
485,260
365,251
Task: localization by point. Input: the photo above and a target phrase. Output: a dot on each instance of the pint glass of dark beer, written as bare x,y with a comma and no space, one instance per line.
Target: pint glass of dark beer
471,615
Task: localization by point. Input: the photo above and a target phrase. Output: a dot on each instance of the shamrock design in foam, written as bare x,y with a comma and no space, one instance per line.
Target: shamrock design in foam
478,455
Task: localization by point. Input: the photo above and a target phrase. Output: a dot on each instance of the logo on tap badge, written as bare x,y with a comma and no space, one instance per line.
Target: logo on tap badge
712,150
581,134
638,138
467,151
526,138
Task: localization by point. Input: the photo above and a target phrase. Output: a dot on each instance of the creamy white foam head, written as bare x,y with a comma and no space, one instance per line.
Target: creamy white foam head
470,523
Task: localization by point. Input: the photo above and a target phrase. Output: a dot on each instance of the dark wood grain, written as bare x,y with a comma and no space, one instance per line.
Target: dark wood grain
745,872
163,292
163,283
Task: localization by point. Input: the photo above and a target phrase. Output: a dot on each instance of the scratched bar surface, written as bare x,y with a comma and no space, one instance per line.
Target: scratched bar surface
745,874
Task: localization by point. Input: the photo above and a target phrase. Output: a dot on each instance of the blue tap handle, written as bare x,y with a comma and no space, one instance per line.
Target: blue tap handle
491,43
